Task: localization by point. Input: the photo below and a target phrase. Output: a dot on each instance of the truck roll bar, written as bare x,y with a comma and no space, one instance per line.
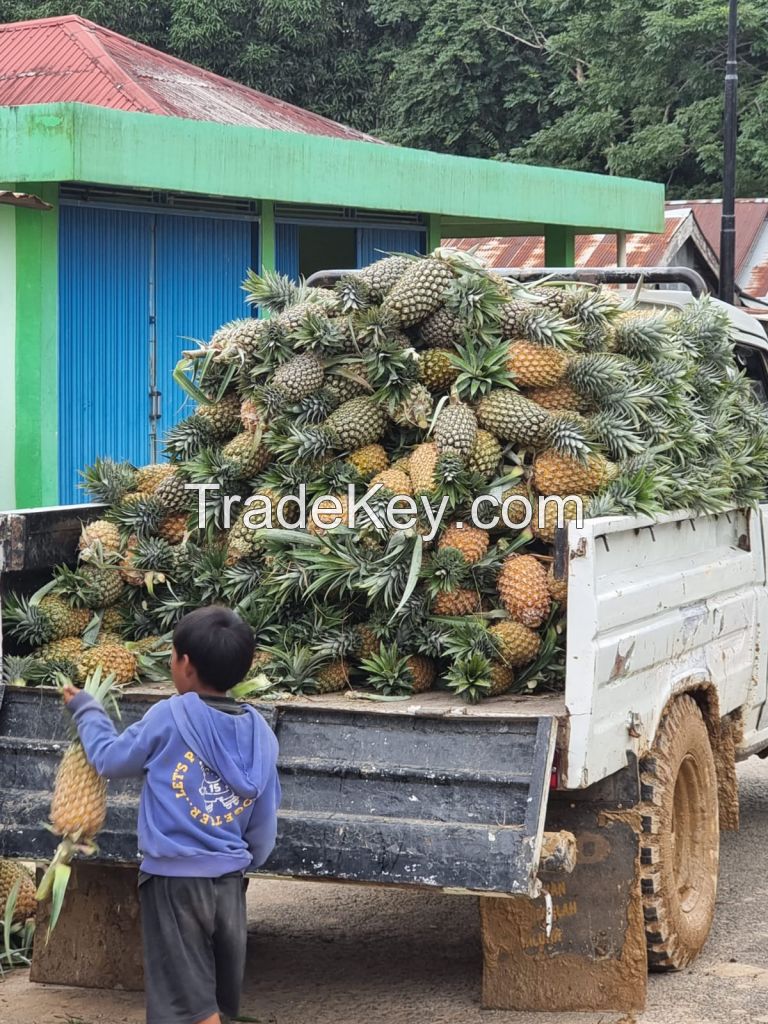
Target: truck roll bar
589,275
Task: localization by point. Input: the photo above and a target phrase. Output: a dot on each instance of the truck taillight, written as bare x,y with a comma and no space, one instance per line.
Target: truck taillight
554,777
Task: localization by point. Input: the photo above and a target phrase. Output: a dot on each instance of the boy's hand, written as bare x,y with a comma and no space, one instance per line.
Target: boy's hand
68,691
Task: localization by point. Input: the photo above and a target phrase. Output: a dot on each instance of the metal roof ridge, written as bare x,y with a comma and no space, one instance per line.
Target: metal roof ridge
88,40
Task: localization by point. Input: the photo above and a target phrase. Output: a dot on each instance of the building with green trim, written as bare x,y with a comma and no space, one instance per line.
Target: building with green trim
155,219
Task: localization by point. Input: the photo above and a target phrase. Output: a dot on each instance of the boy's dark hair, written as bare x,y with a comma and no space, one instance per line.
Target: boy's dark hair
218,643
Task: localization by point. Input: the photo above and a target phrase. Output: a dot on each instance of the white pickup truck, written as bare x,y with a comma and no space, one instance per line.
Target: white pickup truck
587,821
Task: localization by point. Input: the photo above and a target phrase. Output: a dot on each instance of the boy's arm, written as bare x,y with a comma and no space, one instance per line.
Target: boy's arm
262,826
111,754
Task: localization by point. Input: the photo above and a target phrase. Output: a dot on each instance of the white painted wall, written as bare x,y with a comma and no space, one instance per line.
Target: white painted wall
7,355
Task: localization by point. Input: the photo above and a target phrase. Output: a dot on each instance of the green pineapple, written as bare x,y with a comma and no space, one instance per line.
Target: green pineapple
299,377
437,369
456,429
43,618
390,672
381,276
420,291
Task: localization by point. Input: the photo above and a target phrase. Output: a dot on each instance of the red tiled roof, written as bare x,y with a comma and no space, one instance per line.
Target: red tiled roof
71,60
750,218
643,250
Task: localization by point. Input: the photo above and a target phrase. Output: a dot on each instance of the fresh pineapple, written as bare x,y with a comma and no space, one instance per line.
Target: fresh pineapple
98,535
535,366
558,589
461,601
559,398
456,429
558,474
173,494
391,672
332,677
174,529
381,276
547,530
149,478
476,677
41,619
419,292
470,541
485,455
437,369
393,481
14,876
113,659
369,460
248,453
523,590
299,377
517,644
440,329
222,417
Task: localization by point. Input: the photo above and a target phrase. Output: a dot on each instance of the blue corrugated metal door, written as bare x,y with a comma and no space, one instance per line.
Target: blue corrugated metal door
104,259
287,250
376,243
200,264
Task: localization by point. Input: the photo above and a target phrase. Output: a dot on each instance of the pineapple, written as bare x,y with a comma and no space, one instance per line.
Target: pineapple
250,416
547,530
470,541
456,429
112,619
391,672
558,474
329,516
222,417
70,647
38,621
485,456
523,590
534,366
99,534
439,329
510,417
332,677
113,658
526,322
366,640
14,875
419,292
174,529
476,677
174,495
559,398
437,369
107,481
558,589
381,276
149,478
355,424
642,334
79,805
456,602
299,377
248,453
394,481
369,460
517,644
415,409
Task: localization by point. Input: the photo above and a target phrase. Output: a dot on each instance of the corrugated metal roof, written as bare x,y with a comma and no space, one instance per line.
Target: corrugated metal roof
71,60
750,218
643,250
24,199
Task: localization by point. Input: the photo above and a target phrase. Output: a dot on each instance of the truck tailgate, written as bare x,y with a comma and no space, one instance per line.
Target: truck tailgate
430,794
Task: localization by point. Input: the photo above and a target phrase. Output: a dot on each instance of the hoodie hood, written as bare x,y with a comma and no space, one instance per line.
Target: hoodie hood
241,749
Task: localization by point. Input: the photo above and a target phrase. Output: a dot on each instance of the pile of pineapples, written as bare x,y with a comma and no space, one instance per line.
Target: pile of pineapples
433,377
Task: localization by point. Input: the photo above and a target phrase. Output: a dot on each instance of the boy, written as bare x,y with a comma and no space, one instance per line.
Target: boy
207,814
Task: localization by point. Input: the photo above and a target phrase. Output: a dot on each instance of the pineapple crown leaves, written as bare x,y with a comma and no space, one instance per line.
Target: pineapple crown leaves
354,293
391,372
470,677
141,516
567,435
469,635
187,438
475,299
542,326
481,369
643,337
444,571
294,667
373,327
589,305
616,434
108,481
388,671
321,334
414,407
272,291
22,671
305,444
704,330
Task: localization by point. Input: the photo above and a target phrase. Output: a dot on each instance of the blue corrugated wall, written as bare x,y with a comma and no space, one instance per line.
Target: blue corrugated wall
201,263
287,250
104,263
107,260
376,243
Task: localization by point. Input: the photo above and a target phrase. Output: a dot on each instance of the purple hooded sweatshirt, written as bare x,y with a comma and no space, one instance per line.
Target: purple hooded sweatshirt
211,792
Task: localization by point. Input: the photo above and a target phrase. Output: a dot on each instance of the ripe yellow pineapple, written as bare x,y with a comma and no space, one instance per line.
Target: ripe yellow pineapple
486,455
67,647
423,672
547,530
98,533
560,398
422,466
469,540
534,366
456,602
112,658
502,679
395,481
12,874
558,589
149,478
174,529
560,475
518,645
523,590
251,416
329,516
369,460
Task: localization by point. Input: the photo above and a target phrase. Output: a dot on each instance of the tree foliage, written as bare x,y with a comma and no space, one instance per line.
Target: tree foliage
612,86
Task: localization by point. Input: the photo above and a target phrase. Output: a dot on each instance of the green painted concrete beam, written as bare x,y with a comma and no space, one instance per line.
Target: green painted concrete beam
267,244
434,232
559,247
74,142
37,413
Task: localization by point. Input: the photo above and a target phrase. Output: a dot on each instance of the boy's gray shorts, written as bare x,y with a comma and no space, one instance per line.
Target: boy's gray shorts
195,933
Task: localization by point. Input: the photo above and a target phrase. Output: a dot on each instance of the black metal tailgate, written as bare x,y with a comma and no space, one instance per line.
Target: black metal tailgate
453,802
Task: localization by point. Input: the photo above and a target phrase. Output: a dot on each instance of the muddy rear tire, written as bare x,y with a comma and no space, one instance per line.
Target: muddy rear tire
680,844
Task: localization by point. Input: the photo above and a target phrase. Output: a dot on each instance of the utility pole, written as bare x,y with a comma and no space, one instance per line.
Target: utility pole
728,222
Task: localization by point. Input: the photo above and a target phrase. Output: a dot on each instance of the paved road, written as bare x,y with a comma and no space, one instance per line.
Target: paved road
326,954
